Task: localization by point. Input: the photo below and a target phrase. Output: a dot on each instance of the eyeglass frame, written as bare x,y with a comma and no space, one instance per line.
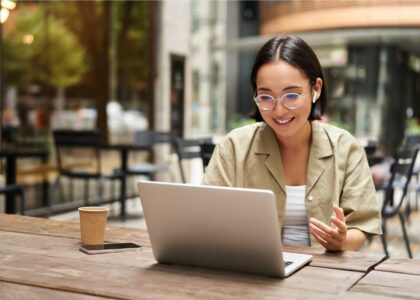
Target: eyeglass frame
275,99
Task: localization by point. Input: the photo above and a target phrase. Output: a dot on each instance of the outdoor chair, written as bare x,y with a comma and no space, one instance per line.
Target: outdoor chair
15,190
148,139
22,171
401,174
78,155
370,148
371,154
207,149
411,142
188,149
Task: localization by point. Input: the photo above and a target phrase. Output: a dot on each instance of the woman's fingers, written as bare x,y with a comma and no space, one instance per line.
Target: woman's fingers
325,228
325,240
319,239
321,225
330,237
341,226
339,212
321,233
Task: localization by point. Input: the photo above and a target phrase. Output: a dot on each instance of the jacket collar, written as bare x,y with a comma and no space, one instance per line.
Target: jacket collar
266,144
321,147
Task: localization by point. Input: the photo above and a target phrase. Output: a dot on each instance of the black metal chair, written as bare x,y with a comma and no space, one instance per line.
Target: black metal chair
401,174
78,155
371,148
188,149
411,142
371,155
148,139
207,149
15,190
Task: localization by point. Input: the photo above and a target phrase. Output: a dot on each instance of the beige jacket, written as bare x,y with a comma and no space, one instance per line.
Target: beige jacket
338,173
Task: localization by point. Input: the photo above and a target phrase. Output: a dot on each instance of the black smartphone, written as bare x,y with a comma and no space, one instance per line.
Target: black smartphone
108,248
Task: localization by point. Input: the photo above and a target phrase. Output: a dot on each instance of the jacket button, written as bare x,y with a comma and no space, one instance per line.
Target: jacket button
310,198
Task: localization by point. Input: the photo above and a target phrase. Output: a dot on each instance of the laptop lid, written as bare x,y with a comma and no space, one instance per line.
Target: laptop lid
225,228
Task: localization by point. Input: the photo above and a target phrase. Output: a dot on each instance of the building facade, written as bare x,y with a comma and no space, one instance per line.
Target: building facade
190,70
190,81
369,51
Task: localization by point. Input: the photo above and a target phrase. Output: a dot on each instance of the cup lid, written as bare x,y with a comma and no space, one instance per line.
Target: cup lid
93,208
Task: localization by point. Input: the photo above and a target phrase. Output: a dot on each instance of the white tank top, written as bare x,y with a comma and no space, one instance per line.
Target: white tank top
295,227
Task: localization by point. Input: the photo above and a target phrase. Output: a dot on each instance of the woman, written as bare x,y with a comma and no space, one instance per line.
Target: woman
319,173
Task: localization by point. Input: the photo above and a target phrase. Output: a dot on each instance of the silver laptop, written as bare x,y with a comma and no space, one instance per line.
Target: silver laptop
225,228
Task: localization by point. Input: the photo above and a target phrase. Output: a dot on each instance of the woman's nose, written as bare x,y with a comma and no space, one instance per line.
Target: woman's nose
279,108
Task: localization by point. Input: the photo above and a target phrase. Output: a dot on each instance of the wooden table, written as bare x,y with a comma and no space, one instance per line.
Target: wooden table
39,259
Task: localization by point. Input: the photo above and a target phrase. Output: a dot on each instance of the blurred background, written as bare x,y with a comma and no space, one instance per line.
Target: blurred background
183,66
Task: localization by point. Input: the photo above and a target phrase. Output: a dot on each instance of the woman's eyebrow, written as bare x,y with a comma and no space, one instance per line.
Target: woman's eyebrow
292,87
264,89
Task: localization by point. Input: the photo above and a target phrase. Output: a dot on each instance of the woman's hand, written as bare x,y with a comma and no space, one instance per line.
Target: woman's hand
334,237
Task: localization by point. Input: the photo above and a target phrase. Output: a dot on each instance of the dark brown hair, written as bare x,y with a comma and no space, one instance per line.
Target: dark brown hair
297,53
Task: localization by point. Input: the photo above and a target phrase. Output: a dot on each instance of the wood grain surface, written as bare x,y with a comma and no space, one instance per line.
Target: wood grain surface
40,259
156,280
389,284
404,266
11,291
40,226
348,260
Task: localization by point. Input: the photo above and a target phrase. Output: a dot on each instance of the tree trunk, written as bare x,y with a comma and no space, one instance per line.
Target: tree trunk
94,17
102,74
60,99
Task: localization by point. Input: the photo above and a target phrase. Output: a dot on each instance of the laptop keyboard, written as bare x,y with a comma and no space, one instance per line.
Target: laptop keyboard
287,263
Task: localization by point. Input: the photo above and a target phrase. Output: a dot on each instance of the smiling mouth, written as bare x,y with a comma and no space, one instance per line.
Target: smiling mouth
284,121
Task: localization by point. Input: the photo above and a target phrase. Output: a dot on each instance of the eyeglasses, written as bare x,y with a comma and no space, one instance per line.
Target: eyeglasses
289,101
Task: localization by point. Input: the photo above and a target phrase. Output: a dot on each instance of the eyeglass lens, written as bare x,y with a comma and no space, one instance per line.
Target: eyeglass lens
289,100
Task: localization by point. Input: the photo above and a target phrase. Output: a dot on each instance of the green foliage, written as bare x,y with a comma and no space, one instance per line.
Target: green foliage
133,26
237,120
18,57
343,125
54,56
66,56
413,126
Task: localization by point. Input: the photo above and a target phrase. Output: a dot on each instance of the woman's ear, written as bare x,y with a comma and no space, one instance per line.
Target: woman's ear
317,88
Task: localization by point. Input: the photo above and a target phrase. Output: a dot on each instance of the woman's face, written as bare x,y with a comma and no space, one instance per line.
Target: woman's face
276,79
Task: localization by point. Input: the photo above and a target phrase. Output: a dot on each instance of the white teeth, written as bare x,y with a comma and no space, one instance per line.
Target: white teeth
283,121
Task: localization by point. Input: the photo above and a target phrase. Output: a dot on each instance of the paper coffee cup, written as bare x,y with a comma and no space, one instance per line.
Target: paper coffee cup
92,224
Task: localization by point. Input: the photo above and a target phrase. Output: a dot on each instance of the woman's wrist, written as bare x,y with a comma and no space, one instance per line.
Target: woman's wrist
355,239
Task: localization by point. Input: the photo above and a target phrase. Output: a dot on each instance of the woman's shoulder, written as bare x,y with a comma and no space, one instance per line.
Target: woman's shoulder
334,132
338,137
245,132
242,137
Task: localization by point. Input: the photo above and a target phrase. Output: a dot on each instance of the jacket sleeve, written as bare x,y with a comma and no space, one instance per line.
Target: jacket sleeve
358,196
221,169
